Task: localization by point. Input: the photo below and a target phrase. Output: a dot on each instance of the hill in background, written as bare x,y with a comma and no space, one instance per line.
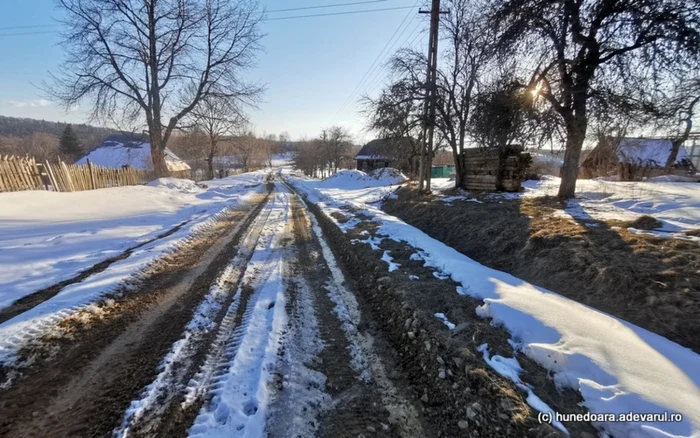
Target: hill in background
40,138
90,136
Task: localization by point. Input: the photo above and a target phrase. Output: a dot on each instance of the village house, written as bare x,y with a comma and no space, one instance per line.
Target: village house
376,154
632,159
120,150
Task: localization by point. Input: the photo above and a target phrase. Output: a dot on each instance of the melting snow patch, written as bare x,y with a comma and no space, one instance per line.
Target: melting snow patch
443,318
510,368
373,242
417,256
390,261
440,276
664,234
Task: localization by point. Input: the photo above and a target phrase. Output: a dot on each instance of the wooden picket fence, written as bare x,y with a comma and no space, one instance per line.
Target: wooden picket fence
24,173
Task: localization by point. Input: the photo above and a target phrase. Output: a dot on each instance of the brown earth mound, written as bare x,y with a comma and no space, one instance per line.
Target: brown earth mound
649,281
644,223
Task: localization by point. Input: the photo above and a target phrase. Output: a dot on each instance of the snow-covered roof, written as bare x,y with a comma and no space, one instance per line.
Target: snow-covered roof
647,151
370,157
379,149
120,150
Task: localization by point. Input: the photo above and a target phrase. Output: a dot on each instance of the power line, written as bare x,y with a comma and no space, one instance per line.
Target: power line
371,67
373,85
335,5
339,13
376,77
361,11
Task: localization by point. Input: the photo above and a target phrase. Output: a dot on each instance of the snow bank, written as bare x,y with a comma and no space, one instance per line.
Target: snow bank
357,179
644,151
388,176
181,185
616,366
673,178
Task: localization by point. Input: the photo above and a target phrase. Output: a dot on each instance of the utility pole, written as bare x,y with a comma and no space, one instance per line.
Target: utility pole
426,152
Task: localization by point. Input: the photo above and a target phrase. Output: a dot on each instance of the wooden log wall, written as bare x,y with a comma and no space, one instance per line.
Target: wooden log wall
493,170
24,173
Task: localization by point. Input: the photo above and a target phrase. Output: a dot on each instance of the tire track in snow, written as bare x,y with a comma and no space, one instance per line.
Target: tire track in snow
351,414
27,328
91,381
233,383
157,403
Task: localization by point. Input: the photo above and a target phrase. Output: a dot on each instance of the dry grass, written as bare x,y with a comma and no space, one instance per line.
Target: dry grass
649,281
645,222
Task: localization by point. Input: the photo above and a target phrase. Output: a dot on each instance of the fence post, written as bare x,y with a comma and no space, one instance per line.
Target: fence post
52,177
71,187
92,175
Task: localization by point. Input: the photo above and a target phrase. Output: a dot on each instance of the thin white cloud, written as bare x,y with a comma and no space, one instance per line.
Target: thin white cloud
29,103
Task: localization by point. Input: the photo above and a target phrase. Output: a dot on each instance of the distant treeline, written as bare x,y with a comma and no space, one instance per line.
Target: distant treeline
20,127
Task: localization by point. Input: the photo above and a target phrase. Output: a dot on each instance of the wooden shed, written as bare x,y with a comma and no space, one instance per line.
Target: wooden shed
495,169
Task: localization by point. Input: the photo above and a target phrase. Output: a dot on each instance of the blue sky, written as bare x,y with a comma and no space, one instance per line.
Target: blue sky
310,65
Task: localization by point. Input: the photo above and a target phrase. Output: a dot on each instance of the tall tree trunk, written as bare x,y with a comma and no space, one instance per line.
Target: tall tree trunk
210,165
160,167
156,129
686,133
575,136
210,159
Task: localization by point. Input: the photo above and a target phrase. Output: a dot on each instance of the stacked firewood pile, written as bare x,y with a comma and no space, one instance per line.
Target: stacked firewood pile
495,169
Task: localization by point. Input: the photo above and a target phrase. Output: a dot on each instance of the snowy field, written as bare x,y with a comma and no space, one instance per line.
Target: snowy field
48,237
616,366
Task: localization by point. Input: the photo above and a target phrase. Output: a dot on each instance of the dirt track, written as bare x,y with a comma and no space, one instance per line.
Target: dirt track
272,322
84,378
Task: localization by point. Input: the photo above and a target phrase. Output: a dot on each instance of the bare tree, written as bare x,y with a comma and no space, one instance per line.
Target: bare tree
156,60
505,113
270,147
40,145
247,149
396,115
189,145
468,53
335,142
585,50
216,117
309,157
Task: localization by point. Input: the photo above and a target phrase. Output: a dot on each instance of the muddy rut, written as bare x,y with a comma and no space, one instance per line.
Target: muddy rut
84,389
137,368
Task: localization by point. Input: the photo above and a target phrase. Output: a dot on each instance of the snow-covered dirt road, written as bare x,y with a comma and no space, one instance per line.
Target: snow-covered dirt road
247,329
559,355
